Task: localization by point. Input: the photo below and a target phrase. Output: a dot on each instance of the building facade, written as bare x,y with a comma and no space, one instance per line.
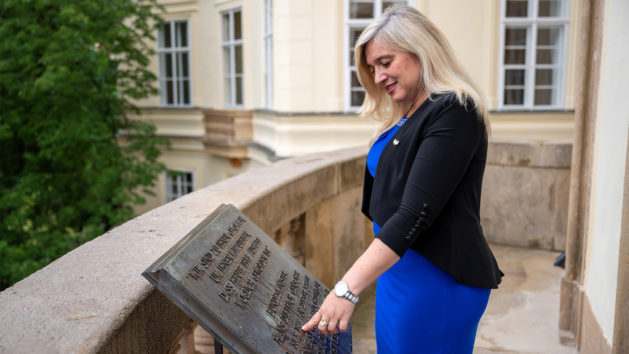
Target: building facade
246,82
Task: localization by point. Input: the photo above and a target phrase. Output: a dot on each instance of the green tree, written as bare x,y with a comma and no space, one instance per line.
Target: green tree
71,163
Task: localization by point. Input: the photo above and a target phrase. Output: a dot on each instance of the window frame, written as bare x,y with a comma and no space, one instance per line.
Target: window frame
174,51
180,182
348,68
532,23
229,99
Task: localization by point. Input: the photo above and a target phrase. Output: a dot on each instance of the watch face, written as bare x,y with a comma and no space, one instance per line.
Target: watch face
340,289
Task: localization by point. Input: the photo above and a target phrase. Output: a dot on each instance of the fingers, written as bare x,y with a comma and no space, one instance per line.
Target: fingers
343,325
324,325
314,321
332,317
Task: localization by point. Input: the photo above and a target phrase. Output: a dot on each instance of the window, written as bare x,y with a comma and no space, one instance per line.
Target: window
173,53
358,15
268,52
532,54
232,57
178,183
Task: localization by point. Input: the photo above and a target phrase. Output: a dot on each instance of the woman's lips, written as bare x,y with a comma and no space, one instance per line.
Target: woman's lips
390,87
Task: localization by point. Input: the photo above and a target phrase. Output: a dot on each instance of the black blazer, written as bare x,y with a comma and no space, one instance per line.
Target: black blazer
427,188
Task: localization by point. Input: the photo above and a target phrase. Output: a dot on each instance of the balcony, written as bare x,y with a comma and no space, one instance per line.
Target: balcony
94,298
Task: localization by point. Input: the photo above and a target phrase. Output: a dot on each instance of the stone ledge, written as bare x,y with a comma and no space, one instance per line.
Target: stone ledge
94,299
529,153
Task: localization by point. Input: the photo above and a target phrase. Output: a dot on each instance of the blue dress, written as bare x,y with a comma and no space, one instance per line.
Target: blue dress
419,307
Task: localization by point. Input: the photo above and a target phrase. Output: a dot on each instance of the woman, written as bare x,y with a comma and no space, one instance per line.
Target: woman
422,191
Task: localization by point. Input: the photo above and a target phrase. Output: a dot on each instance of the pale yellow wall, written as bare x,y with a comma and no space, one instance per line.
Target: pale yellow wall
532,126
208,73
307,69
309,45
472,27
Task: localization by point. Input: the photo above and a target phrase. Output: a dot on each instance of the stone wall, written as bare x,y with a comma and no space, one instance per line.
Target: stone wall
94,299
525,193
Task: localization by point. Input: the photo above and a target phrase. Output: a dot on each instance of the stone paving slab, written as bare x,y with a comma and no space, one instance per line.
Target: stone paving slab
521,317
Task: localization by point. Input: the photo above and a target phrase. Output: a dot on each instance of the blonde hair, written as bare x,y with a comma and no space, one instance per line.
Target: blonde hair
403,28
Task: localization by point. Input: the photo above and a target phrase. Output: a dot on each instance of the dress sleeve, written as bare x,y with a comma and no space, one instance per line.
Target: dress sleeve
449,142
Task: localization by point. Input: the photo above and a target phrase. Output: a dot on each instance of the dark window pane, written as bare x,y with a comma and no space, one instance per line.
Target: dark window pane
515,36
358,97
514,97
545,56
386,4
514,77
189,178
226,36
239,90
354,33
238,58
226,61
170,92
543,97
360,9
179,91
169,66
182,34
355,82
174,189
517,8
352,59
543,77
177,65
167,43
186,92
185,70
515,56
162,65
549,8
237,25
548,36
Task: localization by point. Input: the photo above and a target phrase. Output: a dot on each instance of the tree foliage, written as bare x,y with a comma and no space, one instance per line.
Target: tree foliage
71,163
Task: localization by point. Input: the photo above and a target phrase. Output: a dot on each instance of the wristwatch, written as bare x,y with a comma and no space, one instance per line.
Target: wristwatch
342,290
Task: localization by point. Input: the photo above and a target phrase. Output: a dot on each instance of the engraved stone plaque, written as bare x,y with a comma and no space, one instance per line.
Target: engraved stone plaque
239,285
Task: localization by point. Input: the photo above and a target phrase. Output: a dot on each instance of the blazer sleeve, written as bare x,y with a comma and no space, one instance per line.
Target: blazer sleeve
449,142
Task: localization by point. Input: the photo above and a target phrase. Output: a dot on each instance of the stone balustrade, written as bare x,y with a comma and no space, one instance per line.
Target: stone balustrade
94,298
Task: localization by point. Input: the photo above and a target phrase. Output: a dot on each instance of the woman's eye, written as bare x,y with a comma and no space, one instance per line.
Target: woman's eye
386,64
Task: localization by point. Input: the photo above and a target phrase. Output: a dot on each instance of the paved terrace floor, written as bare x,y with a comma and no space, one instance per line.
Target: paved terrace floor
521,317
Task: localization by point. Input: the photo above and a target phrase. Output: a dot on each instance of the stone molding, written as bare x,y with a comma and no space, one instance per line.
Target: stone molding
227,132
587,79
533,153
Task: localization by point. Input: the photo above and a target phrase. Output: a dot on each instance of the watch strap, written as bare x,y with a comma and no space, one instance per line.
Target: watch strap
351,297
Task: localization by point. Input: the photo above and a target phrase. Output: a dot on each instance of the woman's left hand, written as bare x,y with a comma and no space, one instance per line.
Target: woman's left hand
333,315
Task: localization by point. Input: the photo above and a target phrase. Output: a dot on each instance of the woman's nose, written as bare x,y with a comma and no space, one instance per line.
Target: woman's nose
379,77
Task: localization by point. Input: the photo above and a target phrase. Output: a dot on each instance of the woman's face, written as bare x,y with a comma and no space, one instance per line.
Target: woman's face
397,72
